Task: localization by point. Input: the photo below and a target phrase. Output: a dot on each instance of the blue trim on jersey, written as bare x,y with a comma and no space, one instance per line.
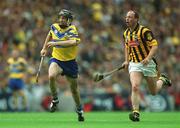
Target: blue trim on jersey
59,34
16,84
70,68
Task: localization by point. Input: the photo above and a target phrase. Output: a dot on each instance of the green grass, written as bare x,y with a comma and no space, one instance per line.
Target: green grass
92,120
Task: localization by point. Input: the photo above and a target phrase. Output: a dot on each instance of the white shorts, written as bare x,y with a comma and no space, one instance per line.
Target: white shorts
147,70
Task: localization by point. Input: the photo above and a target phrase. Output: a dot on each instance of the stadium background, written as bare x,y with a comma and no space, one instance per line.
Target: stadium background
25,23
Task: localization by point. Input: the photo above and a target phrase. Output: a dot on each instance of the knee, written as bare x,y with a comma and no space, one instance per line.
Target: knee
135,88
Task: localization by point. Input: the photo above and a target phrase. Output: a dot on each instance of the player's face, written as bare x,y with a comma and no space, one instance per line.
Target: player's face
15,54
63,21
131,21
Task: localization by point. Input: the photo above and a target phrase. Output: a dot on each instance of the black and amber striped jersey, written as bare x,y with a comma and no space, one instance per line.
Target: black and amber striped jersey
139,42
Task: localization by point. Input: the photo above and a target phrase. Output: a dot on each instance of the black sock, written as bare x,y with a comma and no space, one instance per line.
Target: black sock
55,96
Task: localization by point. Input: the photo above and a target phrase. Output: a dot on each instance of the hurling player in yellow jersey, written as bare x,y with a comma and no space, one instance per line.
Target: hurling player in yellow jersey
140,49
63,38
17,68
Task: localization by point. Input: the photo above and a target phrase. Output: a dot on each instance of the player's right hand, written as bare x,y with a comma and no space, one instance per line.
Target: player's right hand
43,52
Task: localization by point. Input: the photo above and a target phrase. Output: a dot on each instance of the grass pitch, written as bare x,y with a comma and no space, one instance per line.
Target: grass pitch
92,120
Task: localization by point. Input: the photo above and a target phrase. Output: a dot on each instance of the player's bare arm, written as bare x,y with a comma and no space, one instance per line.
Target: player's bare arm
152,52
44,49
66,43
126,62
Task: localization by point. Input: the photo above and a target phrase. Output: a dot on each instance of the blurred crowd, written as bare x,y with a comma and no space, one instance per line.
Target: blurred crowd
25,24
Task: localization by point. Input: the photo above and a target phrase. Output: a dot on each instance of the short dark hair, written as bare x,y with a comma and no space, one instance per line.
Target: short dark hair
136,15
66,13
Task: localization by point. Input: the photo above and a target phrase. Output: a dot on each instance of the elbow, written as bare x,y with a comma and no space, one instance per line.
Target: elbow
155,48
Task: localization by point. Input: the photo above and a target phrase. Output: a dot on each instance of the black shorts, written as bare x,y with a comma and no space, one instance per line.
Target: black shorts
70,68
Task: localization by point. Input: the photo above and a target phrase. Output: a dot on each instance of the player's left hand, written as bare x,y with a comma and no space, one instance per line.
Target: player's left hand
51,44
145,61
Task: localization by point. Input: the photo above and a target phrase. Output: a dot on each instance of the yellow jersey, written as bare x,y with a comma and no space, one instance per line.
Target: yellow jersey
17,67
59,34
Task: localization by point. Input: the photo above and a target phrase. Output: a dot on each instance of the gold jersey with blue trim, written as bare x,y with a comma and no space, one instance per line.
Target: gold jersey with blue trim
17,67
58,34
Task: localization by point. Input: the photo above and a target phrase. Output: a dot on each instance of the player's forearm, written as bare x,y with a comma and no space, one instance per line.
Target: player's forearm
46,41
152,52
126,55
67,43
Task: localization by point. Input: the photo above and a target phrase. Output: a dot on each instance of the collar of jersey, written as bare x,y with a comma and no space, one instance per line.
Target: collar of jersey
59,34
